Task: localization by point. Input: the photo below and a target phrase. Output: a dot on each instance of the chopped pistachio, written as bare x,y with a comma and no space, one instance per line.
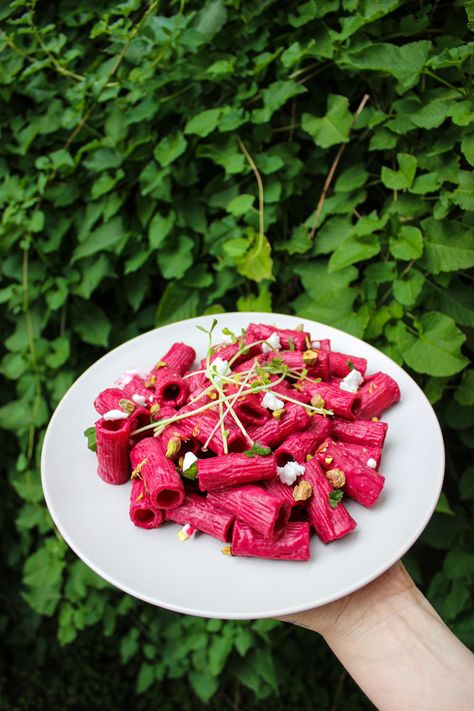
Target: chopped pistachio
227,550
173,447
328,460
127,406
310,357
150,382
302,491
278,413
318,401
309,457
139,497
374,419
160,364
336,478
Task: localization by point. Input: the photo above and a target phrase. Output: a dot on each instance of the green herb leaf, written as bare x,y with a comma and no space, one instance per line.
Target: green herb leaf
334,497
191,472
259,449
90,433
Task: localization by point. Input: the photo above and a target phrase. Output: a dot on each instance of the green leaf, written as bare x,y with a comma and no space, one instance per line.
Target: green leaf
211,18
91,323
448,246
334,497
436,350
333,128
408,244
160,227
169,148
354,249
259,449
256,264
177,258
351,179
457,303
106,238
405,62
403,178
443,506
467,147
176,304
260,302
90,434
275,96
328,297
203,684
241,204
406,291
465,392
204,123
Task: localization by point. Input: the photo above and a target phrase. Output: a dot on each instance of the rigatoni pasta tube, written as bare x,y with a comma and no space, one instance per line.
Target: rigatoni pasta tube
251,504
159,474
234,470
113,437
293,544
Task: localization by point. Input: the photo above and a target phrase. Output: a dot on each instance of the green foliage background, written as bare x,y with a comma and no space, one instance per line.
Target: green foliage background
128,203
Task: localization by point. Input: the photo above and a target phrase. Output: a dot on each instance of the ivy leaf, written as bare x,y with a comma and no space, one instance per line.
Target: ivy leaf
467,147
105,238
169,148
176,259
176,304
448,246
465,392
160,227
354,249
407,290
436,349
241,204
256,264
204,123
333,128
404,63
408,244
91,323
403,178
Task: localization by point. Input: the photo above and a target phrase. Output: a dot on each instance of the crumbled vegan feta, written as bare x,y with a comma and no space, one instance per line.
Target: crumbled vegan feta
316,344
187,533
218,368
272,344
371,463
227,338
115,415
271,402
188,460
289,472
139,400
127,377
352,381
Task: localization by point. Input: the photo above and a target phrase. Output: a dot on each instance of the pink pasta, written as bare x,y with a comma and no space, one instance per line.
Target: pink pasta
158,473
197,511
113,446
255,506
256,448
329,522
293,544
234,469
379,392
142,512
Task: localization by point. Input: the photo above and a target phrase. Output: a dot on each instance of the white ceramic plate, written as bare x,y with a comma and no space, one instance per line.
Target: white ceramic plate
194,577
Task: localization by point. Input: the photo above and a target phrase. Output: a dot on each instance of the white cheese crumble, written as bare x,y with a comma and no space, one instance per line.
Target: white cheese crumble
227,338
139,400
371,463
271,402
352,381
289,472
188,460
127,377
115,415
272,344
316,344
218,368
